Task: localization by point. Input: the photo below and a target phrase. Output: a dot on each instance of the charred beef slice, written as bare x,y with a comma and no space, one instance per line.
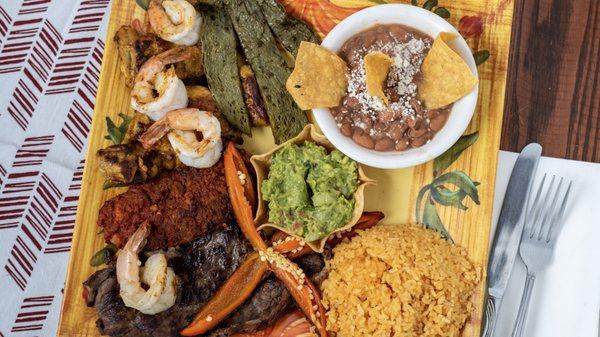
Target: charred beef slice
269,301
201,266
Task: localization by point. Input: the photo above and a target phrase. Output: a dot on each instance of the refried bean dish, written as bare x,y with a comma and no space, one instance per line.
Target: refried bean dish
404,122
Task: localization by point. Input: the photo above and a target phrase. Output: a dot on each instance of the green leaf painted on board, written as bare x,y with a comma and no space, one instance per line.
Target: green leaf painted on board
111,184
143,3
420,196
447,197
461,181
481,56
443,12
414,2
432,220
441,163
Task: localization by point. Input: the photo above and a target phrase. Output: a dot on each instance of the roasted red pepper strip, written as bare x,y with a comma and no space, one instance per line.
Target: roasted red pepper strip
248,185
303,291
367,220
291,325
243,214
288,245
237,194
279,235
293,248
230,296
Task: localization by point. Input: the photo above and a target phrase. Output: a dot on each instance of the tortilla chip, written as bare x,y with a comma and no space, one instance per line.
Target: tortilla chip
446,76
377,66
319,78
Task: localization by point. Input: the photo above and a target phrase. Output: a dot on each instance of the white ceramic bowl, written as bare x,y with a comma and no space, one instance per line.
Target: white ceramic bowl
462,111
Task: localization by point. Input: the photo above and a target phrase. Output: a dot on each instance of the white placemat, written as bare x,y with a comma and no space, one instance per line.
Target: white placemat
566,297
50,55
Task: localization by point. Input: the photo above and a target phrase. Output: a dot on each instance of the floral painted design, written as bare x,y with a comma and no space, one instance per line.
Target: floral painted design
323,15
447,188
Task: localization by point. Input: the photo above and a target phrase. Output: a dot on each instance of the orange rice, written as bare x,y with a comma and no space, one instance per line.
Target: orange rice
399,280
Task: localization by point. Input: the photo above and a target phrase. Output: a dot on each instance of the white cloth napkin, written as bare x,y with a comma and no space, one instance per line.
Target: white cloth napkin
566,297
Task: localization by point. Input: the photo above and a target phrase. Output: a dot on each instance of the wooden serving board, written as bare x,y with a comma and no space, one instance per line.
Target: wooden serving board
396,194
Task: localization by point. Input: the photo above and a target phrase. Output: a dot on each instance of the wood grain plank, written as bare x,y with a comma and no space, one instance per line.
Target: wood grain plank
397,190
470,228
76,318
553,94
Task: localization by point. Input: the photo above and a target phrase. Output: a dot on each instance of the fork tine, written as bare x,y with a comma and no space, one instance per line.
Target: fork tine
558,219
534,211
542,210
550,210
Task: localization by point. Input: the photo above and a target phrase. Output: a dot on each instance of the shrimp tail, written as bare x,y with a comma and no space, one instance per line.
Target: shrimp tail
138,240
140,28
176,54
154,133
158,62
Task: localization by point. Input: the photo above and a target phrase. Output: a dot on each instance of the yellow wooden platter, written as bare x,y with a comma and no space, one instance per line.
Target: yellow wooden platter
397,190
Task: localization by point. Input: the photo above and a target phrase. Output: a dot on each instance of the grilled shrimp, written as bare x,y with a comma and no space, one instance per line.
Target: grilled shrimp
175,21
159,278
157,90
180,125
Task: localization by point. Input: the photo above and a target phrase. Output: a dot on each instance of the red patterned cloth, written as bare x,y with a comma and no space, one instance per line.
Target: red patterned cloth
50,56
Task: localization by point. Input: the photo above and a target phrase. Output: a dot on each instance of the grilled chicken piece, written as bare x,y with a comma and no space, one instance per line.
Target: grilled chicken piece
130,163
200,97
136,48
252,97
119,163
138,125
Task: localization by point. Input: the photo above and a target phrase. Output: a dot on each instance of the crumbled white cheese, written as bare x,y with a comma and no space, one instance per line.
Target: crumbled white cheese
407,58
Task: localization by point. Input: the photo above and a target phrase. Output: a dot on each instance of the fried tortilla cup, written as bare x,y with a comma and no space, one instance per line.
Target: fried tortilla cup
262,164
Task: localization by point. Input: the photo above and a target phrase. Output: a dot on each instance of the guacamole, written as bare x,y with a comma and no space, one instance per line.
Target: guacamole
310,192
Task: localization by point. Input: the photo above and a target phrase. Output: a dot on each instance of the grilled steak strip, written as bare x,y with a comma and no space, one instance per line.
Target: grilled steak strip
201,266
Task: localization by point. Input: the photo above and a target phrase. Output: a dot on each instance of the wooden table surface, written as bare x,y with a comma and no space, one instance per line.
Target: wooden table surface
553,92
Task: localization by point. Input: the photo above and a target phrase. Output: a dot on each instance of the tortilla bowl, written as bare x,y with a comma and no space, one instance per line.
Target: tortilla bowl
262,163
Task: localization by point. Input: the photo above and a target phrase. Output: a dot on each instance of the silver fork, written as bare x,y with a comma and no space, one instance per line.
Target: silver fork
542,227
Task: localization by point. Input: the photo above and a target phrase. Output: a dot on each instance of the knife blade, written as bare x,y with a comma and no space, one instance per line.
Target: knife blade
508,231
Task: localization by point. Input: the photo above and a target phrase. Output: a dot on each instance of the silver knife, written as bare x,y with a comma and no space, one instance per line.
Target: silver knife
508,232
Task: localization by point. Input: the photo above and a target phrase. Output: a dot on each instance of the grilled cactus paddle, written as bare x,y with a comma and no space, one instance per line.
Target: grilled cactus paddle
219,47
289,30
269,66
